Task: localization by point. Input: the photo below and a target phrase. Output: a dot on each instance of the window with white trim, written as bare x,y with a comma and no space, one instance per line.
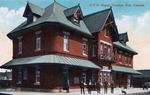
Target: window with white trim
25,71
38,41
85,46
19,79
66,41
20,44
37,75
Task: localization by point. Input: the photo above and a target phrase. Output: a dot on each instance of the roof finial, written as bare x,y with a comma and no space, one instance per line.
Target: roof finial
27,1
78,4
110,7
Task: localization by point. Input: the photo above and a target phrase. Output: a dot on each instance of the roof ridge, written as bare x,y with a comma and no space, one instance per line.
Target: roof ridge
97,12
34,5
72,7
55,3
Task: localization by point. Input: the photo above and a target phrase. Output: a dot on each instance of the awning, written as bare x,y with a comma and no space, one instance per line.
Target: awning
124,70
51,59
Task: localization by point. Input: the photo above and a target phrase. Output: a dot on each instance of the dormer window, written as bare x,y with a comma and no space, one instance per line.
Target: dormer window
34,18
77,15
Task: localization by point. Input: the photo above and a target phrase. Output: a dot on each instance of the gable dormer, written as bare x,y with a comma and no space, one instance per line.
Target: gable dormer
32,12
123,38
74,14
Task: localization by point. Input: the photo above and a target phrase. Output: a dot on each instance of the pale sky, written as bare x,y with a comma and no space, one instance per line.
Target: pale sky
132,19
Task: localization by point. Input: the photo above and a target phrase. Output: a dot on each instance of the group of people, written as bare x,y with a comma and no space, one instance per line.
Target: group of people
95,86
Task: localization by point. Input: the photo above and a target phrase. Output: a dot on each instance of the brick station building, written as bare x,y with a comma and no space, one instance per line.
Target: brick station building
56,47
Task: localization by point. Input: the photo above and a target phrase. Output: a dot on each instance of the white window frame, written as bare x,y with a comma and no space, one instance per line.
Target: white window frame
37,75
66,41
85,47
38,41
20,44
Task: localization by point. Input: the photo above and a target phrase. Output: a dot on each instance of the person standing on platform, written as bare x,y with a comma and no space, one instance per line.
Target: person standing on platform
112,88
98,86
105,87
89,86
82,87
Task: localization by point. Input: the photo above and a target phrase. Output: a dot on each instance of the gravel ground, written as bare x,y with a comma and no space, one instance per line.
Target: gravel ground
117,91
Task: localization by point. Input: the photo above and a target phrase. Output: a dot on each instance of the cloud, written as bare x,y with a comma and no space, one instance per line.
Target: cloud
138,28
9,19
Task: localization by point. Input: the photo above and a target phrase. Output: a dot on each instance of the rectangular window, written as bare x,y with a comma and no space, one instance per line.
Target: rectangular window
85,46
101,78
19,80
109,53
126,59
105,78
108,78
93,76
25,71
102,51
94,49
106,33
84,76
20,45
115,54
120,58
66,41
37,75
38,40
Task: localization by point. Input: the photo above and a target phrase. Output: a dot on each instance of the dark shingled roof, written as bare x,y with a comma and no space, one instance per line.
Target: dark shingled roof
96,20
54,13
123,37
125,47
34,9
71,11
